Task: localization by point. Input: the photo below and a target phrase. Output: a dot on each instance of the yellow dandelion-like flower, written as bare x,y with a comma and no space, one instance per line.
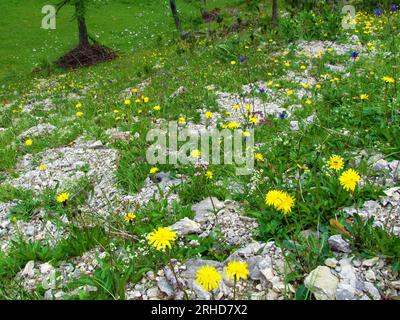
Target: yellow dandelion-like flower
290,92
233,125
157,108
254,119
235,107
246,134
335,163
273,198
286,204
127,102
388,79
79,114
208,278
129,217
78,105
181,120
208,115
237,269
281,200
349,179
154,170
161,238
259,157
364,96
42,167
233,62
146,99
63,197
195,153
209,174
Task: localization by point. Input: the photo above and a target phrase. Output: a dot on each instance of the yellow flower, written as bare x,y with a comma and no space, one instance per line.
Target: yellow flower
303,67
127,102
233,125
233,62
246,134
236,107
209,174
259,157
237,269
281,200
195,153
273,197
287,64
28,142
388,79
79,114
78,105
208,278
286,204
42,167
157,108
349,179
161,238
308,101
135,90
364,97
182,120
208,115
154,170
254,119
318,86
129,217
335,163
146,99
63,197
289,92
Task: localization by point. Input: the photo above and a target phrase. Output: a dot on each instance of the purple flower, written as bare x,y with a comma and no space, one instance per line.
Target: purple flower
243,59
378,11
355,55
261,90
393,8
282,115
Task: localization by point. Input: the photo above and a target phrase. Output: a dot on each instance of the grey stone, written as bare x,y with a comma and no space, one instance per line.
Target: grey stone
331,262
322,283
29,269
165,287
204,210
186,226
370,262
337,243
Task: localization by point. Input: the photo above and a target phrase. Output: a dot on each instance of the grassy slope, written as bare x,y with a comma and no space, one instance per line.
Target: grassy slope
192,66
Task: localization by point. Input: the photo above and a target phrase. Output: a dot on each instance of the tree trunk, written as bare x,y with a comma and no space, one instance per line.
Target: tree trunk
176,17
80,16
274,13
